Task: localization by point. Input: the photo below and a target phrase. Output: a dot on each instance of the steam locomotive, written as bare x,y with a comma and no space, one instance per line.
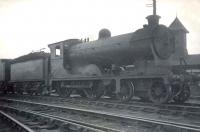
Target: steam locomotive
133,64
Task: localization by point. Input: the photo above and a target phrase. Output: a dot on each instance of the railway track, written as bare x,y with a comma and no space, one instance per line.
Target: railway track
73,116
39,122
191,104
149,118
10,124
112,104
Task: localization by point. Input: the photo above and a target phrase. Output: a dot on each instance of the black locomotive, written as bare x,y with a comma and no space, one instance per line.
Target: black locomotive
134,64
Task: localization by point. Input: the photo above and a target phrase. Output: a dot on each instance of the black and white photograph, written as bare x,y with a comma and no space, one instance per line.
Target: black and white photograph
99,65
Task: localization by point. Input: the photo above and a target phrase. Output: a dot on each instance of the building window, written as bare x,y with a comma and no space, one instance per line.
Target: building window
58,51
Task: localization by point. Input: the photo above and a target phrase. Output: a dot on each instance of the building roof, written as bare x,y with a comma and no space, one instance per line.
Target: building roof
177,25
193,59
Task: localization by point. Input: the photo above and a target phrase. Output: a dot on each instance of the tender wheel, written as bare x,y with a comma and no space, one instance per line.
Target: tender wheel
126,91
41,90
159,93
4,88
183,95
96,91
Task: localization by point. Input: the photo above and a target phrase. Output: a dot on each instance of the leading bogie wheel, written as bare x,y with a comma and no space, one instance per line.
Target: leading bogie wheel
183,95
159,92
126,91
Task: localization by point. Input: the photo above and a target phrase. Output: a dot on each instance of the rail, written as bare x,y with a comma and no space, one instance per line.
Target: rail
17,124
116,116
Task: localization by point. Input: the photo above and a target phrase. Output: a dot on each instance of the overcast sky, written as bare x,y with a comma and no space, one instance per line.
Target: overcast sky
29,25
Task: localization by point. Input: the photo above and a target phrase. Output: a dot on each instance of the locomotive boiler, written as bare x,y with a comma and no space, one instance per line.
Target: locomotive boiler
147,44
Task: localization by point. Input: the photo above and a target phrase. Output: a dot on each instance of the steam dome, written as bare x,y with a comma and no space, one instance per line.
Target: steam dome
104,33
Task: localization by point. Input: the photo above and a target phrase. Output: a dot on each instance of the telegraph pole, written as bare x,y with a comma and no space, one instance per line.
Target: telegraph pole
154,7
153,20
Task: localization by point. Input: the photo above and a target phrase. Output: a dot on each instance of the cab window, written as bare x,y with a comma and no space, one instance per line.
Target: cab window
58,51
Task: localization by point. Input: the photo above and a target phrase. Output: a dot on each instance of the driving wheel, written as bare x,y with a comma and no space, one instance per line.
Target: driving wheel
96,91
62,91
183,95
159,93
126,91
